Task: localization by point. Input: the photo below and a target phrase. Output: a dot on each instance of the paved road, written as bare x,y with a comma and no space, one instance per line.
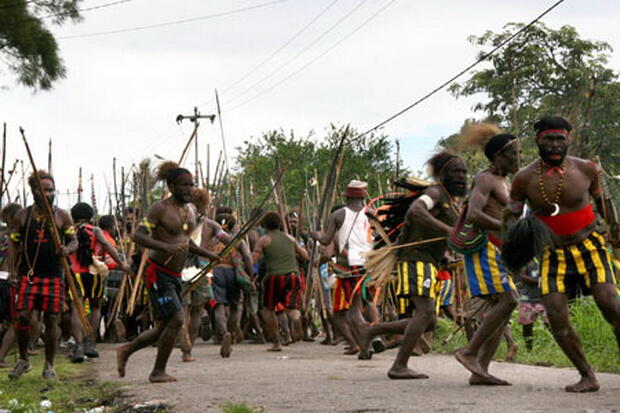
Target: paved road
308,377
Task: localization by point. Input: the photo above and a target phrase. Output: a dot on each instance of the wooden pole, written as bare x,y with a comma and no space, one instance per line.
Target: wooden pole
3,164
88,330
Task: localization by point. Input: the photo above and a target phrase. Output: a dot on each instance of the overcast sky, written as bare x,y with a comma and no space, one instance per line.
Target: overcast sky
359,62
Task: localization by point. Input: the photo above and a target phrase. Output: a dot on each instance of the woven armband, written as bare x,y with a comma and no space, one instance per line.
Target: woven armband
69,230
148,225
15,236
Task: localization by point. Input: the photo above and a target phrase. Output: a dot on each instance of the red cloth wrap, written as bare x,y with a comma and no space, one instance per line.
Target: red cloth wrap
354,192
494,240
570,223
151,270
443,275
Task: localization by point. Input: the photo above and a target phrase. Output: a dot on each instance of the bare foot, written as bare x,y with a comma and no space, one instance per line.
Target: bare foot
405,374
48,372
226,348
187,358
275,347
32,352
470,363
351,351
363,338
121,360
476,380
327,342
161,378
585,384
512,352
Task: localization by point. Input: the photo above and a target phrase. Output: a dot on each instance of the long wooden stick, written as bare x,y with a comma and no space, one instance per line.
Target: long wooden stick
136,287
3,164
88,330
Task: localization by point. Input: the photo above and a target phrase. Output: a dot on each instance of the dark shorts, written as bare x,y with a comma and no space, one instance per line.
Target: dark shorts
282,289
90,285
226,289
164,291
7,301
199,295
45,294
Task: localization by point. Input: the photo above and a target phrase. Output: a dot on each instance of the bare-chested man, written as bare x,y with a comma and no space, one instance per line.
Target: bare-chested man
486,274
38,271
282,284
429,217
166,233
559,189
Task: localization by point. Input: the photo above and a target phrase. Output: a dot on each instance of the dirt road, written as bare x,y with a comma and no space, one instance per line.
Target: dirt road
308,377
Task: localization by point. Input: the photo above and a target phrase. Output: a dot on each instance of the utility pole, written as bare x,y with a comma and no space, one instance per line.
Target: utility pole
195,120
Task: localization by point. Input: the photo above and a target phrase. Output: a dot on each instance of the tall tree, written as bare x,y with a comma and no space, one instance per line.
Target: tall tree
27,46
547,71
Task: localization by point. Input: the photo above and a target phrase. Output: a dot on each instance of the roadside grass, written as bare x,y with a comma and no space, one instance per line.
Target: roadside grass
74,390
240,408
595,333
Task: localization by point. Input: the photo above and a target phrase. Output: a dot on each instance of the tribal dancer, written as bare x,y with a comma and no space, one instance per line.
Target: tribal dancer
351,229
40,286
166,233
486,274
559,189
430,216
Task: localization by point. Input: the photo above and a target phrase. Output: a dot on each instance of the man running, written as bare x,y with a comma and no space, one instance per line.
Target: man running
486,274
38,271
166,233
351,228
91,242
559,189
282,284
429,217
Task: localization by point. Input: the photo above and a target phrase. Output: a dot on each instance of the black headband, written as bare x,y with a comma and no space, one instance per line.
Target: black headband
497,143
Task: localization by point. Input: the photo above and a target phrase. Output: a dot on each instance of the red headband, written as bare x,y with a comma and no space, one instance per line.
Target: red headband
354,192
550,131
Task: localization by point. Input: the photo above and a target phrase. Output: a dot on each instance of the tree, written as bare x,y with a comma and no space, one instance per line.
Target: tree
27,47
367,159
546,71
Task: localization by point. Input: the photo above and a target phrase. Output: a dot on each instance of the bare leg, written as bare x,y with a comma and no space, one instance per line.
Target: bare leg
423,316
51,340
164,348
284,325
556,305
221,326
469,356
295,320
145,339
513,347
7,342
271,325
368,332
607,300
234,321
22,330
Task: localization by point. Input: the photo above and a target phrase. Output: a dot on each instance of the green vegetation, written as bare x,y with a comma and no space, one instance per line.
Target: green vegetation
74,390
241,408
595,333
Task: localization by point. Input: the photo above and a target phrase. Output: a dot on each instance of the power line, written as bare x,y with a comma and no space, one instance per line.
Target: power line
296,56
68,13
338,43
461,73
275,52
174,22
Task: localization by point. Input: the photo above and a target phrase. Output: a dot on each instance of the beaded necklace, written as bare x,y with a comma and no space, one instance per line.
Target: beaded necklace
558,189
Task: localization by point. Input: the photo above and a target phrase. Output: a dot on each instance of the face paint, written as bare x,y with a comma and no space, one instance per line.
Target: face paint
455,179
552,148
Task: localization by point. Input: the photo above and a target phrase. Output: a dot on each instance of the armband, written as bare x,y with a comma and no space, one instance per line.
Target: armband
15,236
428,201
219,233
69,230
148,224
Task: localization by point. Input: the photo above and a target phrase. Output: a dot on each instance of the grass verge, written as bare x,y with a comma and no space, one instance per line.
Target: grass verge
75,389
595,333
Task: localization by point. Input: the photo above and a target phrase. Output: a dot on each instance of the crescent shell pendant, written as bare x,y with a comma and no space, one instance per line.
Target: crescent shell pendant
556,210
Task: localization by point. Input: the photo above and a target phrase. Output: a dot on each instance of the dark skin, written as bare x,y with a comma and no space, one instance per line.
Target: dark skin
63,222
528,329
95,304
349,321
174,219
271,322
424,317
581,185
488,199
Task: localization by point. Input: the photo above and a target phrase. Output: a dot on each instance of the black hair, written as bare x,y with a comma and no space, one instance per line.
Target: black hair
524,241
9,211
438,161
106,222
169,171
272,221
82,211
496,144
85,251
552,122
32,180
227,221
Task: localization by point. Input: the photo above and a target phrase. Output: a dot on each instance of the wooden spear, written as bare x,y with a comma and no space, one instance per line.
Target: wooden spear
88,330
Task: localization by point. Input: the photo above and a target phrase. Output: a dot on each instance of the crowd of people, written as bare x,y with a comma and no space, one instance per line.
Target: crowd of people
279,284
